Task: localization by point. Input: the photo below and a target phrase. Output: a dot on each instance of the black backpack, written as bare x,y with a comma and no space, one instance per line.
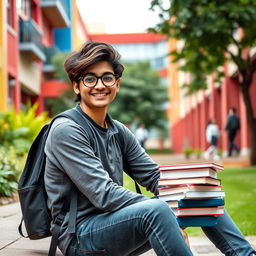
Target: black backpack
32,194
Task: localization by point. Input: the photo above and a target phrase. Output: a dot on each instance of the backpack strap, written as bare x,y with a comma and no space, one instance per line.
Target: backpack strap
59,220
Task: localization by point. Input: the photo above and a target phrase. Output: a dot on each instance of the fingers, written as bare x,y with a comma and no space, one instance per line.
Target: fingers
185,237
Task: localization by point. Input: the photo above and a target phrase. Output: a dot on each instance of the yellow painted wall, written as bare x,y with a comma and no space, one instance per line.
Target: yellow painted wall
78,35
3,58
174,86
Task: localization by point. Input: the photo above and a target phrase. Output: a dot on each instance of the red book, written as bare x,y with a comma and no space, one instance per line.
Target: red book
189,170
197,180
198,211
167,190
190,166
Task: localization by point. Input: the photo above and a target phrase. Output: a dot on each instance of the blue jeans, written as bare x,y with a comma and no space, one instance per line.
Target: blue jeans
140,227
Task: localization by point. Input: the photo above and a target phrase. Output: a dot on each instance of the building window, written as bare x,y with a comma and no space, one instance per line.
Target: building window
158,63
28,9
10,13
11,85
24,7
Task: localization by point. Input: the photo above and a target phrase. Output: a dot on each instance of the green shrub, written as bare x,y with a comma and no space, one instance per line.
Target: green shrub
198,152
10,169
19,130
187,152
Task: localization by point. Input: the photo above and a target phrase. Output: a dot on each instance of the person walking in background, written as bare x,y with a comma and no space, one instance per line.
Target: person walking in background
232,126
212,135
142,135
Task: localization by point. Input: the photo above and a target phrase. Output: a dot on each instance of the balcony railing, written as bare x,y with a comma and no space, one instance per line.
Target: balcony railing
56,11
31,40
49,53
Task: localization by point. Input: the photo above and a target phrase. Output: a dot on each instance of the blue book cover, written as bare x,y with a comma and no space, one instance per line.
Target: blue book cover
185,203
197,221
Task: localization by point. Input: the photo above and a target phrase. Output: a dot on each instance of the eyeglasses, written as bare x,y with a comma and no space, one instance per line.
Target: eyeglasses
91,80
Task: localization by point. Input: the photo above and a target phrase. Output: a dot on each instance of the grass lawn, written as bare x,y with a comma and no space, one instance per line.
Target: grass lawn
239,185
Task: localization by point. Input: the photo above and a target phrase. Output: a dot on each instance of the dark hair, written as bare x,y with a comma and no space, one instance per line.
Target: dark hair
91,53
233,109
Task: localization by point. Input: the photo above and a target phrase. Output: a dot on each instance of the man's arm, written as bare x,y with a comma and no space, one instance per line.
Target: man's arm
72,150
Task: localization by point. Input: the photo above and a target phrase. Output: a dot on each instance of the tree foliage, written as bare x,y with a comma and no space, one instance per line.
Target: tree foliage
213,32
67,99
141,97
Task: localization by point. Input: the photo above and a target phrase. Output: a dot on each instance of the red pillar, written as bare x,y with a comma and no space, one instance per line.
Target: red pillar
224,111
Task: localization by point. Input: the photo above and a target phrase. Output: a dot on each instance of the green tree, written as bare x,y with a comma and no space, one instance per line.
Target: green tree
208,30
66,99
141,97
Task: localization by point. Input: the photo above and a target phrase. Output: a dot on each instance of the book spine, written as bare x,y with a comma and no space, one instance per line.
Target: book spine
197,221
200,202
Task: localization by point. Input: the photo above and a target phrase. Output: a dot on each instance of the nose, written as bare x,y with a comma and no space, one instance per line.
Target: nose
99,84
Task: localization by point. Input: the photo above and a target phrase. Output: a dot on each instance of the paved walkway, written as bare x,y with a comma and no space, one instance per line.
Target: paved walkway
11,244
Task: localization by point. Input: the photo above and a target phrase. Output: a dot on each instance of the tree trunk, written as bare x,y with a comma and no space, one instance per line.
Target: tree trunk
253,143
245,86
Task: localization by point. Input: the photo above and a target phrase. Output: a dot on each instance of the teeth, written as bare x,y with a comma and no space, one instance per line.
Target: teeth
100,95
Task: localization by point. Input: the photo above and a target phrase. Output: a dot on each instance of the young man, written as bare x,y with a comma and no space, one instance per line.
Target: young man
112,220
232,127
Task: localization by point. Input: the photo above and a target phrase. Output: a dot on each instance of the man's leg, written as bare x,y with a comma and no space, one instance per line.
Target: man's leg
231,137
228,238
134,229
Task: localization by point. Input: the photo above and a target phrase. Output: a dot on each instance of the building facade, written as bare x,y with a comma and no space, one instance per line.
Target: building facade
31,32
189,115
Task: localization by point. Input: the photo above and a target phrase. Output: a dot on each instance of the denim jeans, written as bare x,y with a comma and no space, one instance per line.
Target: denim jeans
140,227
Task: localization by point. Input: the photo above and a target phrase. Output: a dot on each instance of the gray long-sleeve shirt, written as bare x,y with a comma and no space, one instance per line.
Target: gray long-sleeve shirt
95,168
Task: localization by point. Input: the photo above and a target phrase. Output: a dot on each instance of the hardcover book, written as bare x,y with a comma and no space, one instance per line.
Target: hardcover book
187,173
197,221
198,211
187,203
197,180
167,190
195,166
192,195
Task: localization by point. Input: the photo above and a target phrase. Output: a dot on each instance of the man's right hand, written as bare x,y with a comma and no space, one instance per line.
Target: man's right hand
185,235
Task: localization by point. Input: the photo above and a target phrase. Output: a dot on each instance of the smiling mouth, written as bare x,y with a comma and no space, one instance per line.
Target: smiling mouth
99,94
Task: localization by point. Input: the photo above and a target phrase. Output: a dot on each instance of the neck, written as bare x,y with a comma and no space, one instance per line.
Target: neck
98,115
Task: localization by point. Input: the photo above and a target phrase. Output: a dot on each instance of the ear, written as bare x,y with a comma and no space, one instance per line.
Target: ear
118,84
76,87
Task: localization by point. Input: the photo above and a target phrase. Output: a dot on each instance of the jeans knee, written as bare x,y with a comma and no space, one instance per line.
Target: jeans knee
159,207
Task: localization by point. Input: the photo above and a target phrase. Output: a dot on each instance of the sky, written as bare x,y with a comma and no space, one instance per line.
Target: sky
118,16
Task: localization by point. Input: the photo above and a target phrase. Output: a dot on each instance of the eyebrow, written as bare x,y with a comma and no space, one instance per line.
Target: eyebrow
105,73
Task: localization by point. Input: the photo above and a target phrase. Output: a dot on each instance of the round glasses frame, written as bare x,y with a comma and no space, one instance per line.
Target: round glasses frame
95,82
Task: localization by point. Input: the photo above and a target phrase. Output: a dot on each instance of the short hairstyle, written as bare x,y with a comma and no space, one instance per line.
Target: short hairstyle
92,52
233,109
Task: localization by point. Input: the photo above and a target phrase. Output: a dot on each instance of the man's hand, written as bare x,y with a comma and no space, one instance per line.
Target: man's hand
185,236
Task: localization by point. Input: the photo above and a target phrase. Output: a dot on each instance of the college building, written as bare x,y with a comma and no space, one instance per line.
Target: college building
33,31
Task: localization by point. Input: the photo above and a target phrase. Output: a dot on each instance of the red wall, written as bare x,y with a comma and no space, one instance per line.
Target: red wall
190,130
53,89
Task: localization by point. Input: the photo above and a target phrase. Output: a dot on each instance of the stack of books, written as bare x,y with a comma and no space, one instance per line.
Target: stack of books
194,193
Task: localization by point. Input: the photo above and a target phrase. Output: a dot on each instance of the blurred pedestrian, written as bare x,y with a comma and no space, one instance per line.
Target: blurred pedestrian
212,135
232,127
142,135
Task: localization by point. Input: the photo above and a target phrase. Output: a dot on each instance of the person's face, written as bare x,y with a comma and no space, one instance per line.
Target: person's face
99,96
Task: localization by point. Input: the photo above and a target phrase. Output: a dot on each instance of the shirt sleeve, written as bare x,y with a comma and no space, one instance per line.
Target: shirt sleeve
76,158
